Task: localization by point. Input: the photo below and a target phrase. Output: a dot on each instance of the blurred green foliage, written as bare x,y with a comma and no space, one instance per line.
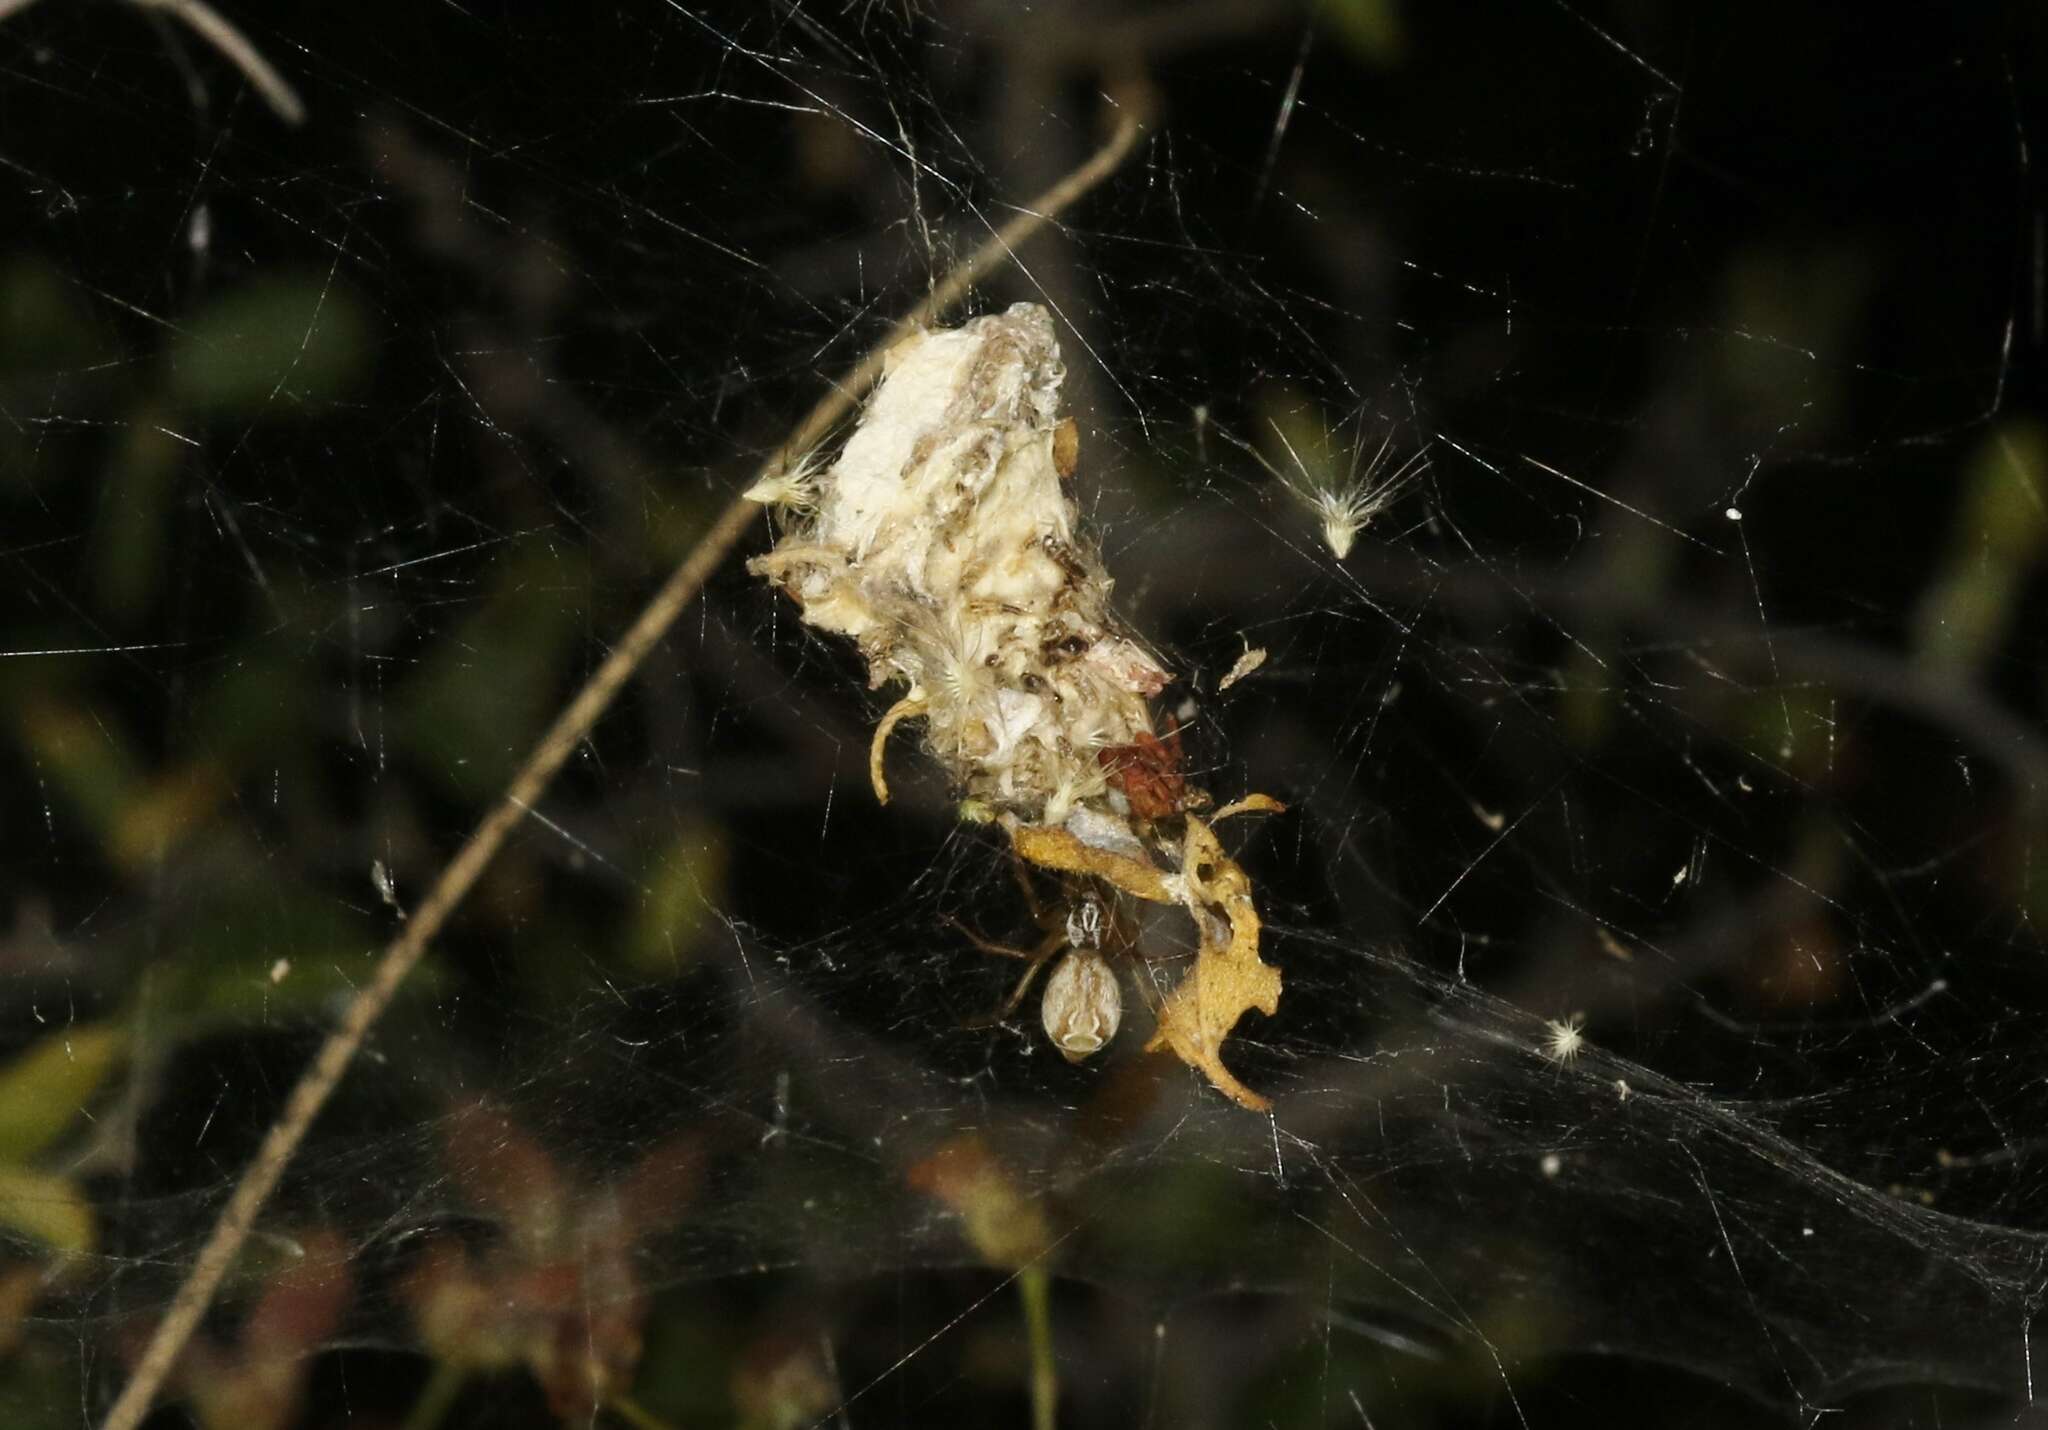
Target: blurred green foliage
269,348
44,1093
480,696
1371,29
681,890
1995,550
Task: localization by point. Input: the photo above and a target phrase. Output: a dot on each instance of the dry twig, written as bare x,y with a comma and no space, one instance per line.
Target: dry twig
215,28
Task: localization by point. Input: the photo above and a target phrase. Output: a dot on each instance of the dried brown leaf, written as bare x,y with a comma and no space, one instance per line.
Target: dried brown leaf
1228,978
1061,851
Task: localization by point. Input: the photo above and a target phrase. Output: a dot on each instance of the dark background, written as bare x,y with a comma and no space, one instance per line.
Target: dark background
333,456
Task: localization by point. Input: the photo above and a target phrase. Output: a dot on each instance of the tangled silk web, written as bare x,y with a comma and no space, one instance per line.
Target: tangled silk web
1641,989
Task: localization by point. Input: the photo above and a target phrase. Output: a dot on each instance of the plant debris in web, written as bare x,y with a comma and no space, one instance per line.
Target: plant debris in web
946,542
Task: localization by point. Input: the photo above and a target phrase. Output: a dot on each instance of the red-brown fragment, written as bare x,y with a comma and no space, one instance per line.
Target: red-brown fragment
1148,771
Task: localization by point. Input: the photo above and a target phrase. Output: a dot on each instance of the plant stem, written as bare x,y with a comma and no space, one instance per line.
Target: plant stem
1034,1285
634,1413
441,1389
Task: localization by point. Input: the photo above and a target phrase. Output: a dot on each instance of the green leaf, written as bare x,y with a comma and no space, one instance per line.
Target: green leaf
51,1209
1370,28
1973,602
45,1088
487,689
681,887
271,345
87,760
43,328
129,537
265,951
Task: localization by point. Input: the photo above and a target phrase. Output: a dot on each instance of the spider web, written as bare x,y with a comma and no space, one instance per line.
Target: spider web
1694,691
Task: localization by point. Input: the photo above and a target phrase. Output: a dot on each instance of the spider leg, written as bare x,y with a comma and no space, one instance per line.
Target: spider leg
1001,950
1024,885
1002,1014
1034,959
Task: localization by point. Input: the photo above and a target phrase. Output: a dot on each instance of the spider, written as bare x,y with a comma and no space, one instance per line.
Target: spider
1082,1006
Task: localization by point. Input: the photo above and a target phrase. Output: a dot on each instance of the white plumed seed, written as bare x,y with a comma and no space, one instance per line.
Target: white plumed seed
1083,1005
1345,497
1563,1039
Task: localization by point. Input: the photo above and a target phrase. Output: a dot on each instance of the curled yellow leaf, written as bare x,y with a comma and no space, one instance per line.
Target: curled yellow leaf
1228,978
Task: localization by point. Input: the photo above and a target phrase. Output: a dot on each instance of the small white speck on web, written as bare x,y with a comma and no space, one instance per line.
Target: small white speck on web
1551,1164
1251,660
1734,513
1622,1089
779,1124
279,971
387,887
